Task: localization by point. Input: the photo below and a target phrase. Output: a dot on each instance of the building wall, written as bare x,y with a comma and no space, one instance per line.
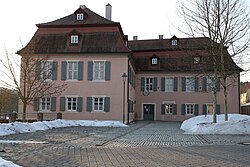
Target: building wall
179,97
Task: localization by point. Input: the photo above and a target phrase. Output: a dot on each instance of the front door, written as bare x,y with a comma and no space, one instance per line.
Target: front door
148,111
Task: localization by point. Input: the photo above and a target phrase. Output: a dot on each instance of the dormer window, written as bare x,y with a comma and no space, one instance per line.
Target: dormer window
74,39
79,16
197,60
154,61
174,42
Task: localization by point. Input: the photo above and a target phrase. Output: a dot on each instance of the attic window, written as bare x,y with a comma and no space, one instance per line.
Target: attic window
154,61
79,16
197,60
74,39
174,42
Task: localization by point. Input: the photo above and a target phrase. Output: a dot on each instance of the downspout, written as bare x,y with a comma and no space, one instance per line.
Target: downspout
128,90
239,93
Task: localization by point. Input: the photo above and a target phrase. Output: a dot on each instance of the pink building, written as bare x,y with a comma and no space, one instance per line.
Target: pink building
163,77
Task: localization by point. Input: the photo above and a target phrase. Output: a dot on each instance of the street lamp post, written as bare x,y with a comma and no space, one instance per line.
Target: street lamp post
124,76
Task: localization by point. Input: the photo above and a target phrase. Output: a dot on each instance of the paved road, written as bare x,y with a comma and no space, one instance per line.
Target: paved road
142,144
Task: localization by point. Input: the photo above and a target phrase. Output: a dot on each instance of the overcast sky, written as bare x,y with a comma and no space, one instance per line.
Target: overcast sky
146,19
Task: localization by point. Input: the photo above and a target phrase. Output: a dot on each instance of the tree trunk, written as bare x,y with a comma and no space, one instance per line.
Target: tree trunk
225,99
24,112
214,106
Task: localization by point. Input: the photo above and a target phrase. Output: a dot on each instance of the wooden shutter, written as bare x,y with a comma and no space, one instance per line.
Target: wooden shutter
155,84
106,104
175,84
107,70
196,109
183,109
80,70
38,71
79,104
53,103
196,84
183,81
64,71
217,109
204,112
89,104
163,109
142,83
62,103
174,109
90,70
54,70
218,85
204,84
163,84
36,104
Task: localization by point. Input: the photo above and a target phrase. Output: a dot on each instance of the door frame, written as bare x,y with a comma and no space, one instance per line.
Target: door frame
142,110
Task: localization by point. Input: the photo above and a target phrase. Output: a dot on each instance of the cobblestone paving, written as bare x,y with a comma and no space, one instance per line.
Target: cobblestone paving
142,144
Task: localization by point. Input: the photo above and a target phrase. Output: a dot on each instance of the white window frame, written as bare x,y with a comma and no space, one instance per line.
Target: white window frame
169,108
72,102
45,104
79,16
209,84
100,103
197,60
154,61
74,39
73,71
99,70
169,86
149,83
46,69
190,109
190,84
174,42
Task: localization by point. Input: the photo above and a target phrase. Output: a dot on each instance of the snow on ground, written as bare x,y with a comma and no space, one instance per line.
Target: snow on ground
4,163
237,124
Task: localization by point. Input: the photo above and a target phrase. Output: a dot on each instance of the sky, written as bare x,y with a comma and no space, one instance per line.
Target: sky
145,19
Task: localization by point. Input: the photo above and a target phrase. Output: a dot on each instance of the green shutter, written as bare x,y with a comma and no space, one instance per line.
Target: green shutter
204,109
53,103
163,84
196,84
90,70
80,70
142,83
217,109
163,109
38,71
183,81
89,104
196,109
183,109
62,103
107,70
175,84
106,104
175,109
64,71
54,70
155,84
204,84
36,104
79,104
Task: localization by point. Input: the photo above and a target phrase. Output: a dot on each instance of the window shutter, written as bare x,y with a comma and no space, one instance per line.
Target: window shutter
175,84
107,70
107,104
204,86
142,83
79,104
163,109
183,81
183,109
38,70
80,70
217,109
155,84
196,84
64,71
62,103
163,84
204,109
196,109
54,70
90,70
175,109
53,103
36,104
218,85
89,104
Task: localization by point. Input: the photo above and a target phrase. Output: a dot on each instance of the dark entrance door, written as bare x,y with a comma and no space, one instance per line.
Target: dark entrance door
148,111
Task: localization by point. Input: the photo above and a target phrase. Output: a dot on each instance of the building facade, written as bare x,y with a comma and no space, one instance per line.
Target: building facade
111,78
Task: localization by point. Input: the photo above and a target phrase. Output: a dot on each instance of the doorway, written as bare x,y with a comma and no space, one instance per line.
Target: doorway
148,111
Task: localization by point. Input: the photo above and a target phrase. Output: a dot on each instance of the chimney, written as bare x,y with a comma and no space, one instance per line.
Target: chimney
108,11
160,36
135,38
82,6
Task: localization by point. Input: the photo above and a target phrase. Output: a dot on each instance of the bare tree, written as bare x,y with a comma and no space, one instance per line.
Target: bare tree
226,23
36,80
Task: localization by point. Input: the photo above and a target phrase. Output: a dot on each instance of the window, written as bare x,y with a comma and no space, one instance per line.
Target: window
174,42
209,109
71,104
46,68
154,61
79,16
190,84
74,39
72,70
45,103
190,108
98,103
99,70
169,108
149,84
209,84
197,60
169,84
